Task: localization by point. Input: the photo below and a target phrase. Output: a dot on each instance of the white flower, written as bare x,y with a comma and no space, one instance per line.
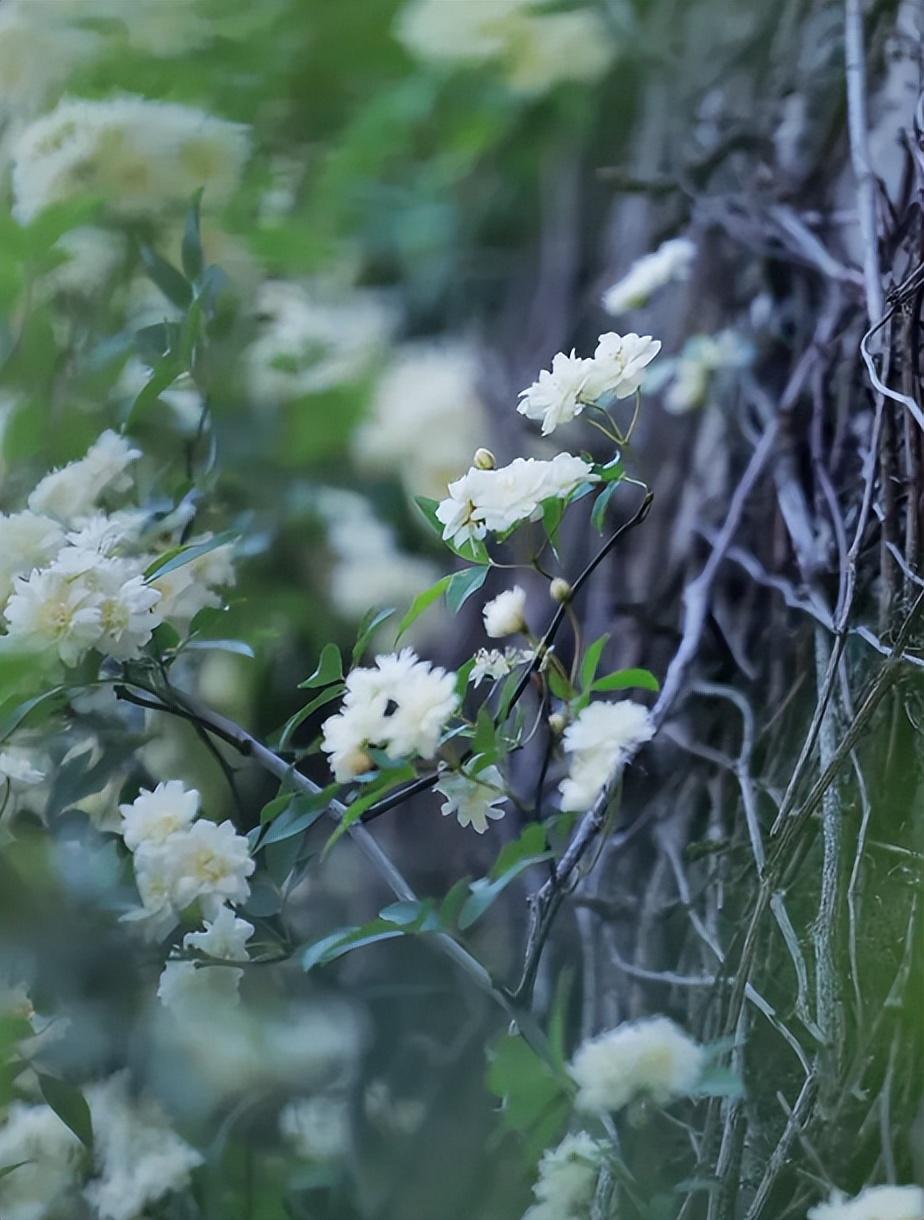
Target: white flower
458,33
652,1058
207,861
506,613
873,1203
194,993
52,1154
567,1178
602,737
496,500
670,262
563,475
16,767
129,609
317,1128
27,540
153,816
619,364
310,340
425,701
426,415
549,49
400,705
534,50
150,25
139,1159
51,612
473,799
74,490
91,258
138,154
37,55
693,370
489,664
225,937
458,513
556,397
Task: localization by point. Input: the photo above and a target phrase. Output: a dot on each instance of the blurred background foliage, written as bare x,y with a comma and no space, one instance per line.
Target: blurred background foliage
410,241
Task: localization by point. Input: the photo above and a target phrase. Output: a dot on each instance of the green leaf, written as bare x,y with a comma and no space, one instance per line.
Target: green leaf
418,916
552,512
421,602
164,374
300,813
171,282
337,944
611,472
236,646
428,508
530,844
462,585
626,679
191,247
69,1105
383,784
373,619
718,1081
7,1169
592,660
598,514
326,696
484,892
18,714
178,556
535,1102
330,668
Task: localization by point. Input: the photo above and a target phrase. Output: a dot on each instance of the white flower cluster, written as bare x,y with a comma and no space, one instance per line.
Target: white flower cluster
180,858
574,382
137,1158
535,49
137,154
873,1203
567,1179
670,263
494,501
473,799
72,576
48,1156
369,568
400,705
309,341
426,415
191,991
602,736
651,1058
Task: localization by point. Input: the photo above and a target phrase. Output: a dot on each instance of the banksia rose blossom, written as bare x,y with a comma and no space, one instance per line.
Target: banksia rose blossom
650,1058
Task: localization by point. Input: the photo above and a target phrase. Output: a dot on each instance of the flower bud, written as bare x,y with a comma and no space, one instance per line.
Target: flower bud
484,459
559,590
558,723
